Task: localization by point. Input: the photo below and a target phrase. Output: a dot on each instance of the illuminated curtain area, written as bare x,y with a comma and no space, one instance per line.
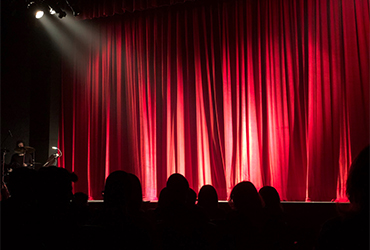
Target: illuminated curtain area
274,92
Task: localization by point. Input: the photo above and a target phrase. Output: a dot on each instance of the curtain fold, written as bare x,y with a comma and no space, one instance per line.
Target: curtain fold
274,92
97,8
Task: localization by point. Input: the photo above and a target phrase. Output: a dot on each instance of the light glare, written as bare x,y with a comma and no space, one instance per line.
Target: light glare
39,14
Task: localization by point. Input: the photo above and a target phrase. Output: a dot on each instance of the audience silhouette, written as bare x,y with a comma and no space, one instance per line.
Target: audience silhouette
208,202
180,225
54,193
43,213
18,220
80,208
276,233
351,230
246,220
163,200
123,224
191,198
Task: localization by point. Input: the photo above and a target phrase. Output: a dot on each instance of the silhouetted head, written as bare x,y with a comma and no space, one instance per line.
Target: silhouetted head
136,197
358,181
163,199
80,199
191,198
177,187
55,186
245,197
117,190
208,197
270,196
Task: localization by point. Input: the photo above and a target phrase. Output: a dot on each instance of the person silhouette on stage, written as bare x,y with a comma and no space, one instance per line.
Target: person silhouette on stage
22,156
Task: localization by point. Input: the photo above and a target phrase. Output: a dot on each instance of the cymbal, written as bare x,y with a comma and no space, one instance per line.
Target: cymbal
29,149
24,150
19,150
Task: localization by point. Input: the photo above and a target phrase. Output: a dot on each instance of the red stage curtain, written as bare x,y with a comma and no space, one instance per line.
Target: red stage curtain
97,8
275,92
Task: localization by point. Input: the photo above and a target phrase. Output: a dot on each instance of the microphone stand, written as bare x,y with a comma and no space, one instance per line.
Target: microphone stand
4,188
59,154
33,160
4,151
53,158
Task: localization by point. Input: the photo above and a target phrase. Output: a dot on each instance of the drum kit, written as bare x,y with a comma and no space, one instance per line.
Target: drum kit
5,171
30,150
26,150
22,151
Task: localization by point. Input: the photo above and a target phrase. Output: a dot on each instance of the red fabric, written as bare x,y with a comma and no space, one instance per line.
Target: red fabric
274,92
96,8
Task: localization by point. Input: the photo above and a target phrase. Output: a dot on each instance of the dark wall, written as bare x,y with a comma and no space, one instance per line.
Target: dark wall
30,82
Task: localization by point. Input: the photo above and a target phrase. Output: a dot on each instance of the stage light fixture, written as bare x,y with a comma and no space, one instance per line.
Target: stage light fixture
62,14
52,7
39,14
37,9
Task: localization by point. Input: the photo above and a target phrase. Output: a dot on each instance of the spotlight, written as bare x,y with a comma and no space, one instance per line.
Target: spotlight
54,5
51,6
39,14
37,9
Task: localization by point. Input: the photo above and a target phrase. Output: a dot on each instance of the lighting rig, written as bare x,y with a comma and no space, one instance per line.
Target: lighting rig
53,7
